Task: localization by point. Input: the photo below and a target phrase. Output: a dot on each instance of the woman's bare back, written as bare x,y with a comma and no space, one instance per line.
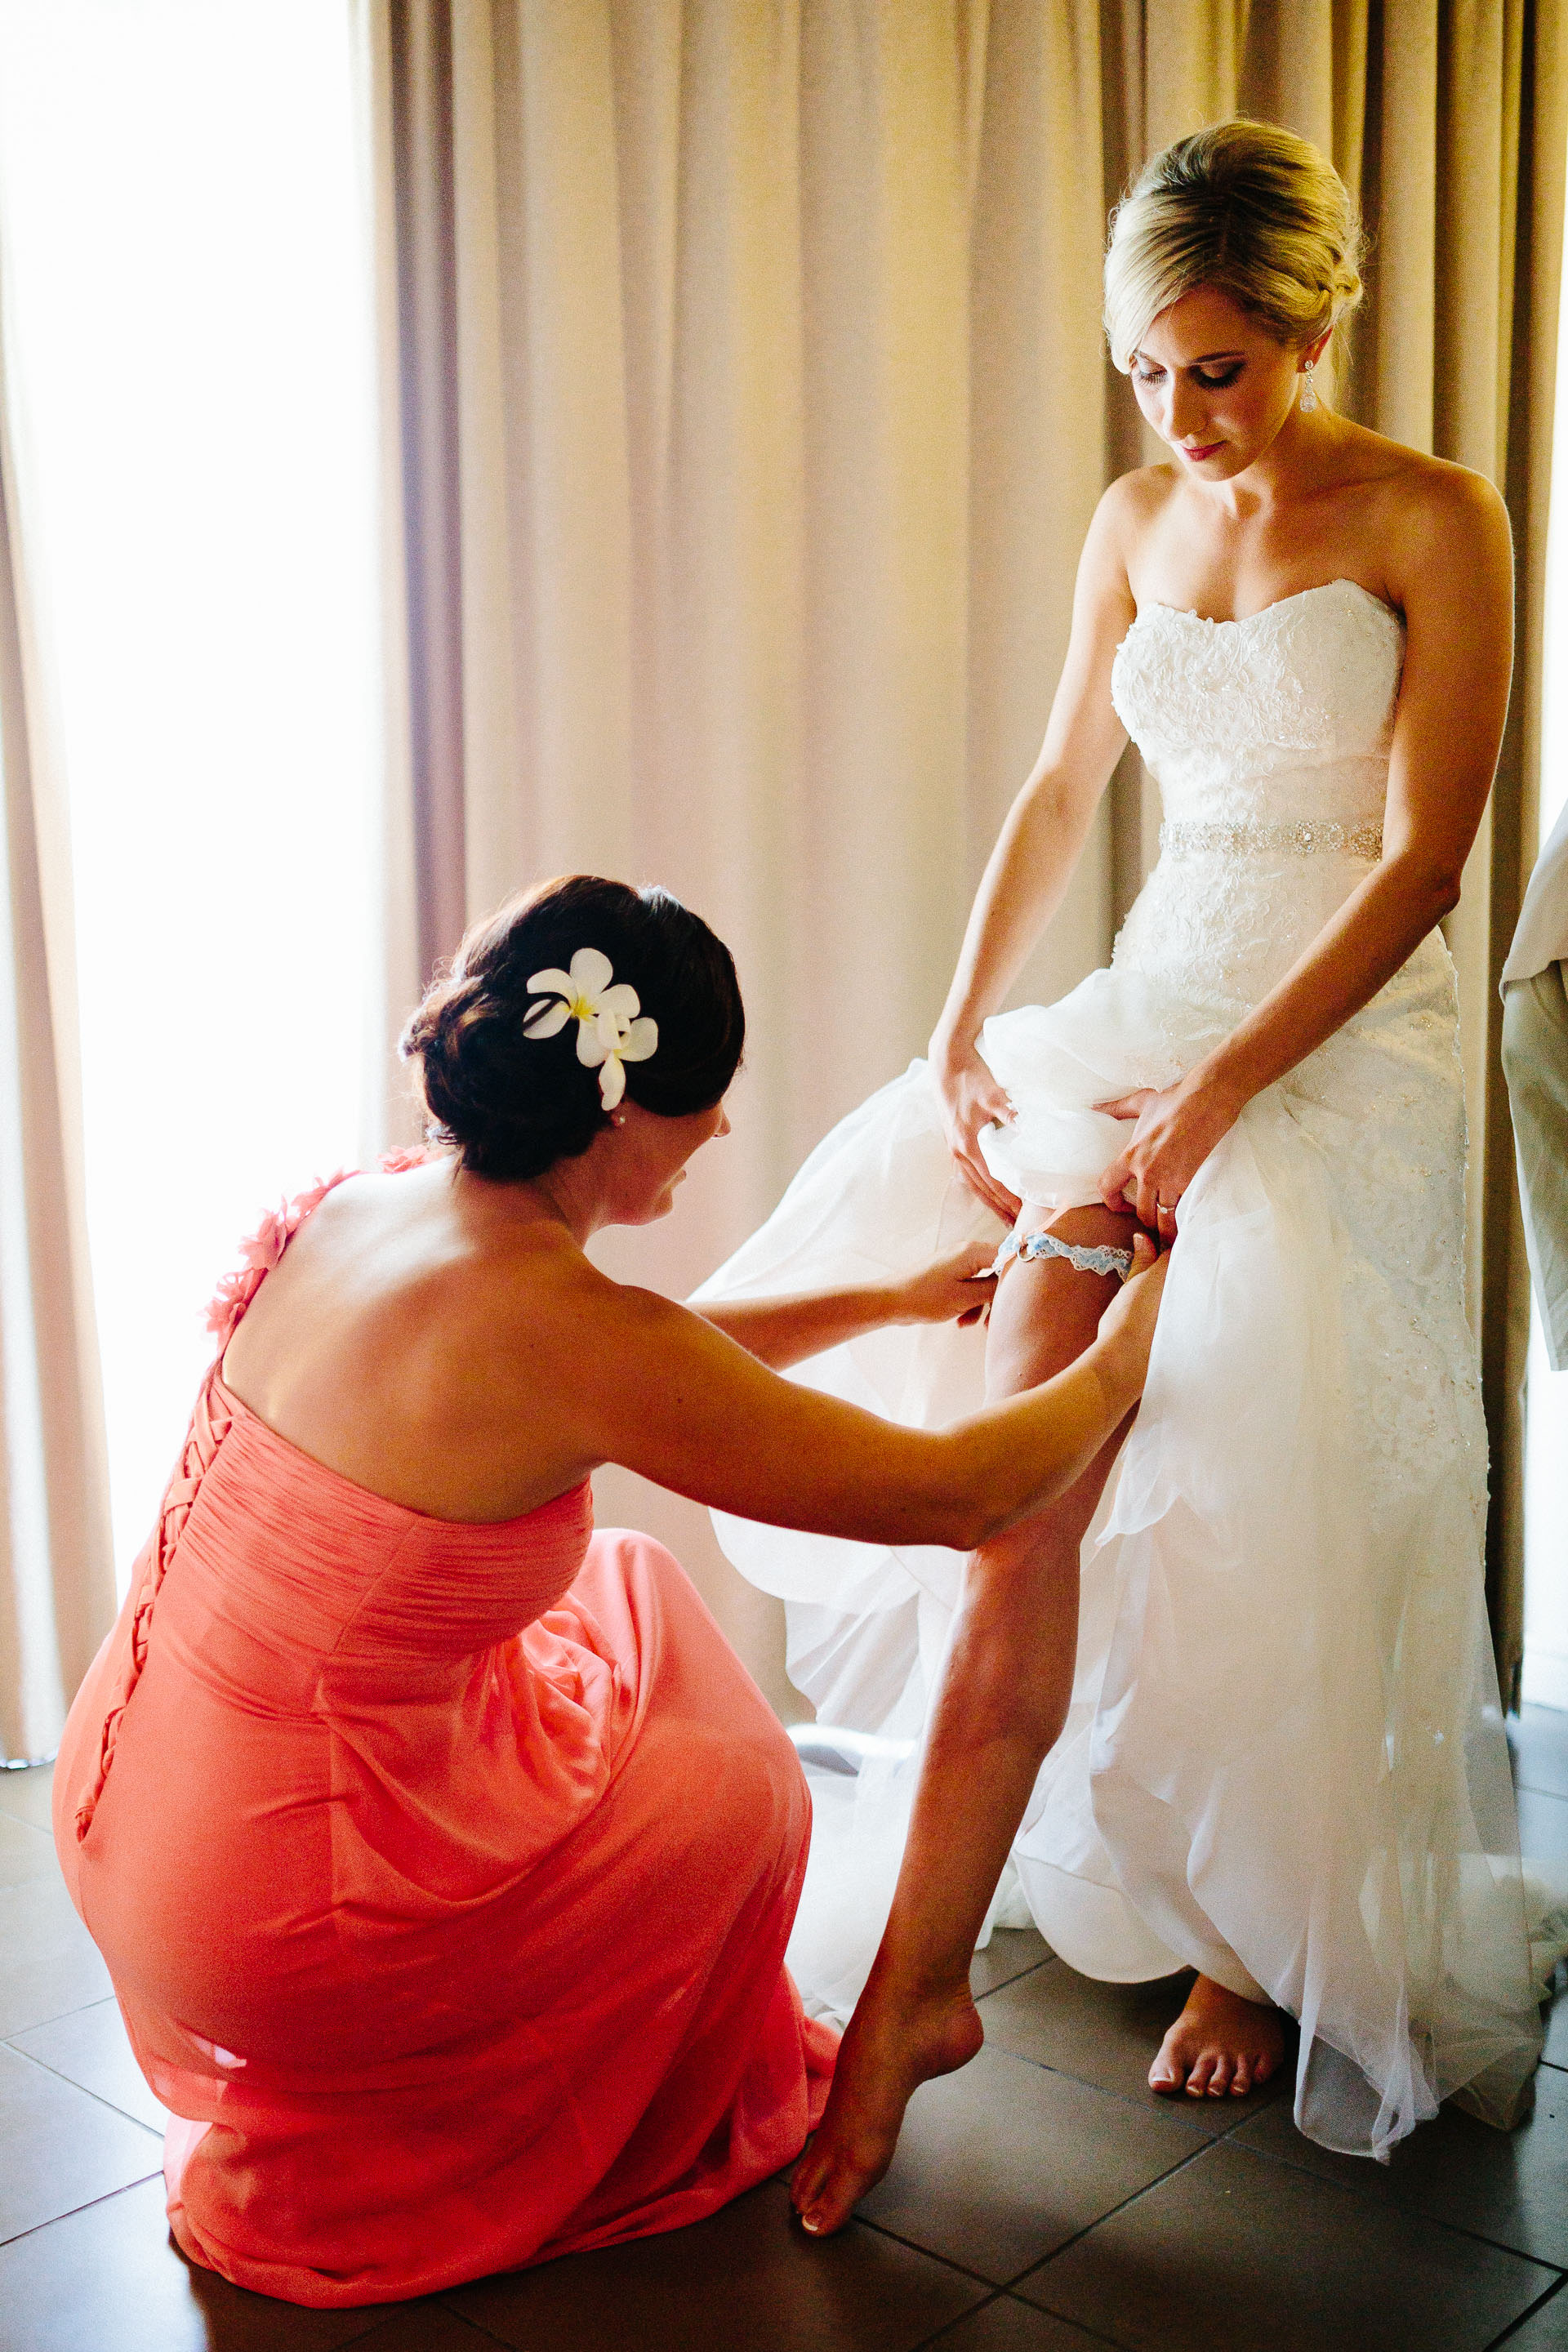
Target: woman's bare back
401,1341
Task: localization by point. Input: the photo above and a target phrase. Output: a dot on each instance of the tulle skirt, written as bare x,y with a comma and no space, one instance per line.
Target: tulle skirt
1284,1762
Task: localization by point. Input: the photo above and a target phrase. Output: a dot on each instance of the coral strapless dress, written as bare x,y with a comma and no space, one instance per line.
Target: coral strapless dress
444,1873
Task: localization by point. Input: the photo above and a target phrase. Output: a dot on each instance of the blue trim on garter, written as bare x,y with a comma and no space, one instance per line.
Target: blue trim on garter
1100,1259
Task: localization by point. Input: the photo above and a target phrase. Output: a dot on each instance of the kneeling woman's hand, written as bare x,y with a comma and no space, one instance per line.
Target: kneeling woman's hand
956,1290
1127,1326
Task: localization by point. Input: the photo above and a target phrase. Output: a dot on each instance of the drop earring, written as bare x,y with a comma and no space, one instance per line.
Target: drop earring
1309,400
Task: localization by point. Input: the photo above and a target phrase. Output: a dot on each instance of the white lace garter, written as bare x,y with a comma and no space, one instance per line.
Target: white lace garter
1100,1259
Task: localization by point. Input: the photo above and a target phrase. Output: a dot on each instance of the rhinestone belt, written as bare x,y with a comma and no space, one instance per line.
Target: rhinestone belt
1194,839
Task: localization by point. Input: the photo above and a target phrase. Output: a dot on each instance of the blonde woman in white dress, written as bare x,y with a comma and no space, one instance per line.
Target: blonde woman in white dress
1268,1746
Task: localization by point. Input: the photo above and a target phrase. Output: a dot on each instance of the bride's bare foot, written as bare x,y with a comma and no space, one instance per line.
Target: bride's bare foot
1219,2044
891,2046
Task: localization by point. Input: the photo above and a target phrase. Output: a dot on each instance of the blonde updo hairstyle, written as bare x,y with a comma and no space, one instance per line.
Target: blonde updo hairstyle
1248,209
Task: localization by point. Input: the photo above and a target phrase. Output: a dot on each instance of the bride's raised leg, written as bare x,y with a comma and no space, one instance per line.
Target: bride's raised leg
1001,1707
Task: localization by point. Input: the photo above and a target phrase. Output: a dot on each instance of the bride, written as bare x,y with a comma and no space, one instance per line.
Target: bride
1279,1758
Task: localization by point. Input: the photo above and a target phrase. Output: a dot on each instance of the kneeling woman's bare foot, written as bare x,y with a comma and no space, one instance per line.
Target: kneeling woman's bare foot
891,2046
1219,2044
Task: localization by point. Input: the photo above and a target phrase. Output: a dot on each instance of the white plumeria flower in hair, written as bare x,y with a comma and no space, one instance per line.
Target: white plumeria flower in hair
608,1029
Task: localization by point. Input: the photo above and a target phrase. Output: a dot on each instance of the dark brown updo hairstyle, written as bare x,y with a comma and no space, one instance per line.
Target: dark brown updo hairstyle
512,1104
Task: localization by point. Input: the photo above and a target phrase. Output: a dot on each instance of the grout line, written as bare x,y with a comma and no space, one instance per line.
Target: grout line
1239,2123
21,1820
109,2195
1171,2109
949,2262
1511,2330
994,2287
1297,2164
1433,2220
1089,2334
1005,2287
1029,1969
59,2016
45,2068
1110,2214
1560,1794
388,2315
964,2318
467,2320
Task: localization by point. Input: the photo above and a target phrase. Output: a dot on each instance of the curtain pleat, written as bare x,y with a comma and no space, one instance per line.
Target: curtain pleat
772,388
57,1574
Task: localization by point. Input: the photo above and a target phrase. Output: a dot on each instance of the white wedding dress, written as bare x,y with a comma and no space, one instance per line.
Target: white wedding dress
1285,1761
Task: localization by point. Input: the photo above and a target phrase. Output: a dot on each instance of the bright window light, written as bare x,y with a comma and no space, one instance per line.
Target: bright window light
188,339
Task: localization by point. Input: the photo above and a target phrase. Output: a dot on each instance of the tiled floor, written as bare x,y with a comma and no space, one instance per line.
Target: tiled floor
1043,2201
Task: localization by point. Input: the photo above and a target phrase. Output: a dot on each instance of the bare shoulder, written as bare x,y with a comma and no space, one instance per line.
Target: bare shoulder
1434,521
1446,506
551,1312
1135,500
1130,514
1127,510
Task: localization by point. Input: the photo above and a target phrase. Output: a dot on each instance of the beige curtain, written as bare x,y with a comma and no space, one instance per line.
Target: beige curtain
57,1575
753,408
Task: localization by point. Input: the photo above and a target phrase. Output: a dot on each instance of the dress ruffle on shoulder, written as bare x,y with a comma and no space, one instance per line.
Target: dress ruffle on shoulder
260,1251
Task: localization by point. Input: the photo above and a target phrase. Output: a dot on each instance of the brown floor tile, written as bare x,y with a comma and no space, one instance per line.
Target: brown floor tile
59,2147
25,1795
1006,2325
1546,2330
1004,2161
1543,1826
1234,2253
747,2280
429,2327
25,1853
90,2048
48,1963
1010,1952
109,2280
1539,1739
1106,2034
1511,2187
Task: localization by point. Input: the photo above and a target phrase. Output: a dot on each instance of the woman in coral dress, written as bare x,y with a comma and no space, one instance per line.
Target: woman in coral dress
442,1854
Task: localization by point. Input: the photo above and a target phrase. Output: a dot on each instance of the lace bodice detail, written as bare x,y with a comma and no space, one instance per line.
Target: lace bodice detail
1269,738
1282,717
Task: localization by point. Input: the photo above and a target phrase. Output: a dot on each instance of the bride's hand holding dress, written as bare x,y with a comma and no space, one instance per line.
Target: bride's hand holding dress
1175,1129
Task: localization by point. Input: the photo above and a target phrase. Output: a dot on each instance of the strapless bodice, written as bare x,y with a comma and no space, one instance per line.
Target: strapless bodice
308,1568
1269,738
1282,718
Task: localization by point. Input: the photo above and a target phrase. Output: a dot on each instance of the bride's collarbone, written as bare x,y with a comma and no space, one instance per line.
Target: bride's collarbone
1237,573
